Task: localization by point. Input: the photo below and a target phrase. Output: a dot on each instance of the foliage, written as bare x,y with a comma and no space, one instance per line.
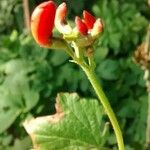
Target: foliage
76,120
124,24
10,15
31,76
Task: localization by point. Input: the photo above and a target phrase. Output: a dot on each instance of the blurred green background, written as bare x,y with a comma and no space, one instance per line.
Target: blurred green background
30,76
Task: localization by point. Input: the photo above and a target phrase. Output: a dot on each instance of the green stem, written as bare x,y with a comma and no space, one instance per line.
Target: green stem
103,99
89,71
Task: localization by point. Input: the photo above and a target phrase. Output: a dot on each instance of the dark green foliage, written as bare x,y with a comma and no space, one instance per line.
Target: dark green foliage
122,79
11,15
30,76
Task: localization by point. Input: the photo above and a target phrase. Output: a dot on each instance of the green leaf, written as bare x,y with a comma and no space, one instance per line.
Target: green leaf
31,98
23,144
77,124
101,53
7,117
16,95
140,120
19,144
109,69
58,58
17,85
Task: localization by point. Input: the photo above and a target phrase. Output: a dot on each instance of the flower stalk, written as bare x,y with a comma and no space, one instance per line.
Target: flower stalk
104,101
90,73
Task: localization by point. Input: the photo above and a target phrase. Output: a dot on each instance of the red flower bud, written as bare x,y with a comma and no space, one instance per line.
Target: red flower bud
42,22
88,19
81,26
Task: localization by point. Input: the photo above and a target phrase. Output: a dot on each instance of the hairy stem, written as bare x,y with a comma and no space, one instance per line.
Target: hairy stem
103,99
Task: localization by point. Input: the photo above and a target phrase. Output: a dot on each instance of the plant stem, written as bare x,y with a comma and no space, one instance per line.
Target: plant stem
89,71
103,99
26,14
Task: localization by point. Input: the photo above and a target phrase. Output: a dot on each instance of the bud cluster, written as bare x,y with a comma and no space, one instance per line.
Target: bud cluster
47,15
89,25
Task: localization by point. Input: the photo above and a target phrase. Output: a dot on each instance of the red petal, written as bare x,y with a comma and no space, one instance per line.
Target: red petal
82,28
88,19
42,22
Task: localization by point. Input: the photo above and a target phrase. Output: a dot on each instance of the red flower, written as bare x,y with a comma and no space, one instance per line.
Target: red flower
42,22
45,16
89,24
88,19
81,26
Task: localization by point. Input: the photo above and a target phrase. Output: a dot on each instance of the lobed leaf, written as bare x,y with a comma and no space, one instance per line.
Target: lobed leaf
77,124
